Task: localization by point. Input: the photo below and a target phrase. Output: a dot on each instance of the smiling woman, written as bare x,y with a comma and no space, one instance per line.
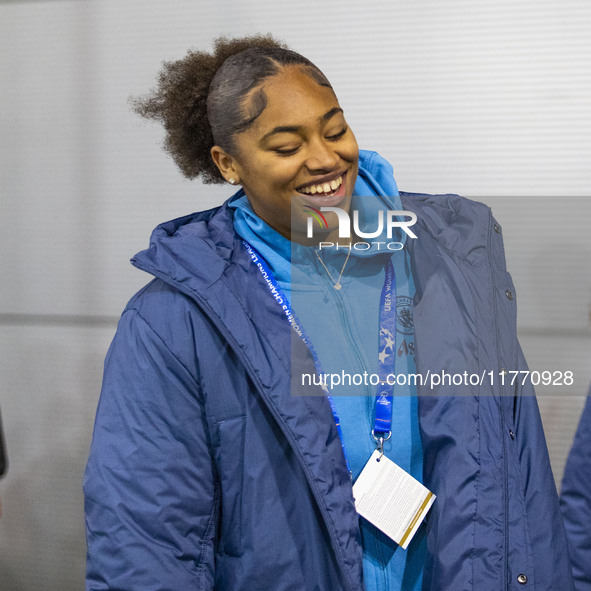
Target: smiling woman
213,467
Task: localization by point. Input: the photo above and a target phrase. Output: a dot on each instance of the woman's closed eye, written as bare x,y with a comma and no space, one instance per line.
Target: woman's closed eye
289,151
337,136
286,151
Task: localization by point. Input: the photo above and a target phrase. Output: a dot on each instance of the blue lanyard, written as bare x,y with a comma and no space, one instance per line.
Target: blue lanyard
386,360
387,347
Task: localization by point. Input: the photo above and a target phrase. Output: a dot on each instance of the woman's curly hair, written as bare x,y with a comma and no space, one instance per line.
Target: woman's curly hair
205,98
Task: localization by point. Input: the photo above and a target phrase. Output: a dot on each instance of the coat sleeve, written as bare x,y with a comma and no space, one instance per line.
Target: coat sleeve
546,529
575,501
150,494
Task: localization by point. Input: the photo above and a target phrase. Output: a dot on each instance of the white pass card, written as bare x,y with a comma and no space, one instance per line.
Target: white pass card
391,499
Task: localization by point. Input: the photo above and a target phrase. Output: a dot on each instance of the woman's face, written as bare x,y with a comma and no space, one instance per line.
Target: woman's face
299,151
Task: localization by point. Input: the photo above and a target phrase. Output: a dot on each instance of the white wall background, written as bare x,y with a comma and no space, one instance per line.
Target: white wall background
487,99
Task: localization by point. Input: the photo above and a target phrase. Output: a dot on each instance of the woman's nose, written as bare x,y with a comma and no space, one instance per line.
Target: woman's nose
322,157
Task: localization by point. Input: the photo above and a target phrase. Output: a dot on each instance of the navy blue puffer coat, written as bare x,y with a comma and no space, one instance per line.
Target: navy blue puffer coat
206,473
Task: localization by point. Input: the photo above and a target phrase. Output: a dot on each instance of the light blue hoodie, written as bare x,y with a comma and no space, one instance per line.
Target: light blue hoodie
343,326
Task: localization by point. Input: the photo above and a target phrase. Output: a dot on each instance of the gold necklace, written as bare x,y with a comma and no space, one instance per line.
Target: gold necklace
337,284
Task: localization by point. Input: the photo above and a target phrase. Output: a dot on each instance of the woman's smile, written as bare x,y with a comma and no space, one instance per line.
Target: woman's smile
328,192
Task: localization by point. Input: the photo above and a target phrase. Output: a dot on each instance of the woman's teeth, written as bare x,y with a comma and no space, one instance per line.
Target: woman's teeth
323,188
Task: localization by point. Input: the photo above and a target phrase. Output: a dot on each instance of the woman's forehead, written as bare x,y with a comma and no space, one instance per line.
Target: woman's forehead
292,98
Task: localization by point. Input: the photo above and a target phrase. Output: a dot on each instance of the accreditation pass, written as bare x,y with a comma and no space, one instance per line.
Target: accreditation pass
391,499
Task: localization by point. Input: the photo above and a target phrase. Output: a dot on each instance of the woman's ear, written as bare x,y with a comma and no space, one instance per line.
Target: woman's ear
226,165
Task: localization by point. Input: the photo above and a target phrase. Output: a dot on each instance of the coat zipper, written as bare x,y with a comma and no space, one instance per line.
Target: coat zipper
501,418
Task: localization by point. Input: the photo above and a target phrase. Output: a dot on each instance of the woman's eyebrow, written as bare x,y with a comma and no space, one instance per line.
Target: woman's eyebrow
297,128
332,112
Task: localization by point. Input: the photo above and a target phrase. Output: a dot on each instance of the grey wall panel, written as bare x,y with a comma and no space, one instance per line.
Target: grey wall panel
80,198
560,405
548,249
559,353
560,416
50,380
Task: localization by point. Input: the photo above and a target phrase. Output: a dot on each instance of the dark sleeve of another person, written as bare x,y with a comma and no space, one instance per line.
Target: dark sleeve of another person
575,501
3,459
